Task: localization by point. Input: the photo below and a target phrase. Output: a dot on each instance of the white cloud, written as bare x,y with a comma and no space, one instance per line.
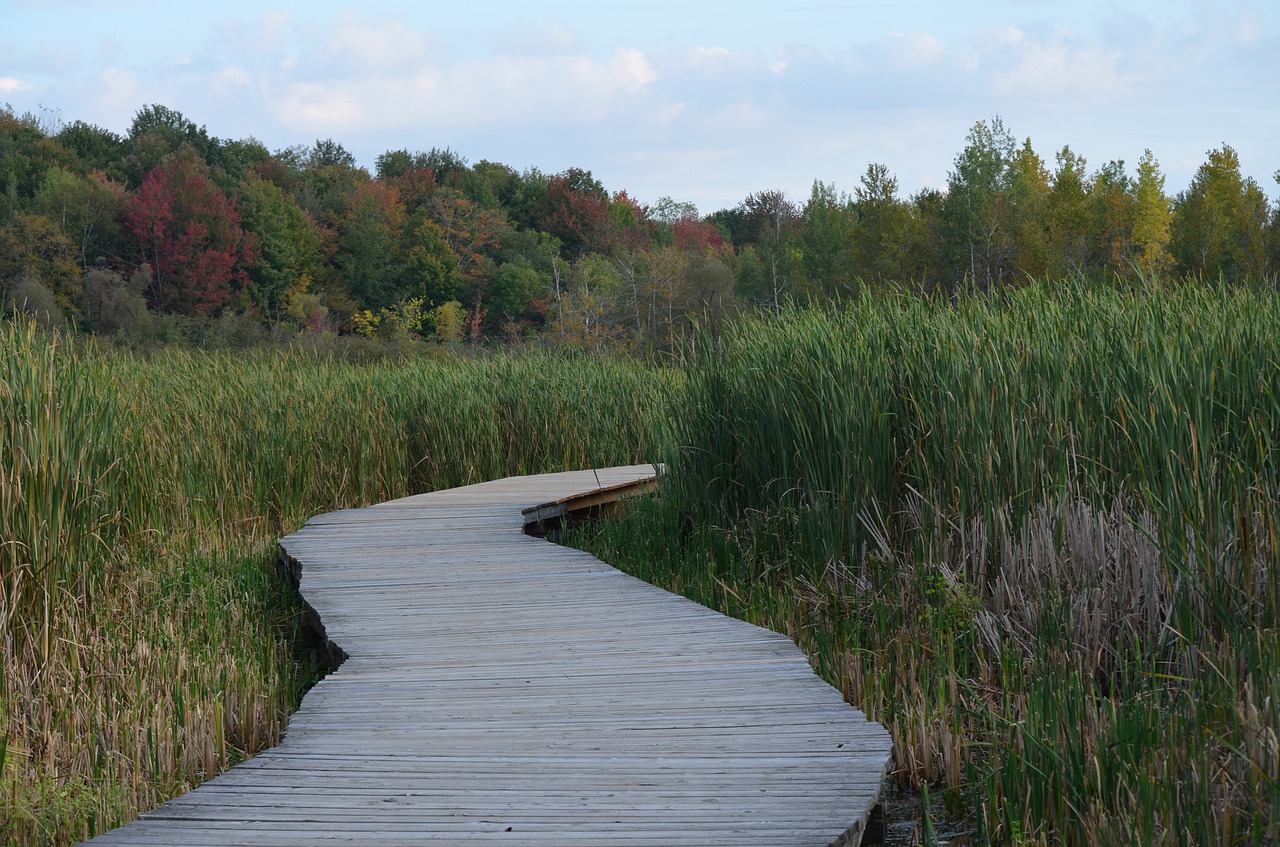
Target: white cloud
505,92
1056,67
549,38
120,91
907,51
230,79
701,55
708,118
263,35
355,45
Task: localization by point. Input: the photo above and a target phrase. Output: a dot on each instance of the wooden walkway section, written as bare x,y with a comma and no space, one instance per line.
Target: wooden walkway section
501,690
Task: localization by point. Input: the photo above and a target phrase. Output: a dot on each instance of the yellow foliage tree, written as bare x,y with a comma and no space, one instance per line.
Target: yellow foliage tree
1151,219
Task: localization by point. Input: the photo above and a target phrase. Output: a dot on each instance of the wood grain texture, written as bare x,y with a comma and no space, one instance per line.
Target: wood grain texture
502,690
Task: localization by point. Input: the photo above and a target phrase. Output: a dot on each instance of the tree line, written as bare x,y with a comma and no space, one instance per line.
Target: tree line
168,227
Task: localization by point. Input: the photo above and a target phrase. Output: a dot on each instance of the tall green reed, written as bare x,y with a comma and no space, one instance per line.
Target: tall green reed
1033,531
60,461
140,500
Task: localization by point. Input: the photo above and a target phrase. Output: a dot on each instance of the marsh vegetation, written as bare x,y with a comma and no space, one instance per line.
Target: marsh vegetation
1034,534
146,634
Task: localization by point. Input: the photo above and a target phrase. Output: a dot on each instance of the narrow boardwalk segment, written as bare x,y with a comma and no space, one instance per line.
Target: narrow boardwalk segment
502,690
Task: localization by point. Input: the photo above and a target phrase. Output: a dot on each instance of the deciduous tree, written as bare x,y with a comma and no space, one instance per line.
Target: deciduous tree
1028,201
1070,214
32,247
189,232
1113,213
1218,222
879,241
974,211
826,266
773,219
287,240
86,209
370,240
26,154
576,210
431,263
1151,219
95,147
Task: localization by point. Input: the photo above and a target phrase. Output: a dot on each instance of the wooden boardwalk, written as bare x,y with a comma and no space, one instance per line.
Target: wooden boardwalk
502,690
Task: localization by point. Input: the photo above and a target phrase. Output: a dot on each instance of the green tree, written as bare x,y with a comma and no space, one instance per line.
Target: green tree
927,261
1113,212
1152,219
734,225
1070,215
326,191
327,153
826,269
1220,220
431,263
527,200
86,209
449,167
529,248
880,239
510,291
773,219
394,163
95,147
238,158
973,212
369,247
26,155
34,249
287,239
158,133
491,184
1028,194
1273,239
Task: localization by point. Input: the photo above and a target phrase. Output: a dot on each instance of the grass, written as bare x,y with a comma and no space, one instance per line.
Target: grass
1035,534
147,638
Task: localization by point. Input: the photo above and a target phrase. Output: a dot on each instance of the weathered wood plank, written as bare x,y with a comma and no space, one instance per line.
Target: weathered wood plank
501,690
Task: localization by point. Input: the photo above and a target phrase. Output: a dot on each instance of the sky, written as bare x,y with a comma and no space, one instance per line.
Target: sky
703,102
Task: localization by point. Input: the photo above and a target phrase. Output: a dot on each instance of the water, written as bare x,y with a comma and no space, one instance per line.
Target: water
903,820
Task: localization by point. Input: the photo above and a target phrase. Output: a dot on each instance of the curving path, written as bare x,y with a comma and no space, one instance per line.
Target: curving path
501,690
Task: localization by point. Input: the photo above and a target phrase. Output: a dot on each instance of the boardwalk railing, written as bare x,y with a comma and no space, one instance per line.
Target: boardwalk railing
500,690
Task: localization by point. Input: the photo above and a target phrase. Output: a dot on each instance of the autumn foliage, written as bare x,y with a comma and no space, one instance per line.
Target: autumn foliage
305,240
189,232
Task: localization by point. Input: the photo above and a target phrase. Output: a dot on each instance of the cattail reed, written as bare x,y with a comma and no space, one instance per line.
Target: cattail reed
1033,532
145,631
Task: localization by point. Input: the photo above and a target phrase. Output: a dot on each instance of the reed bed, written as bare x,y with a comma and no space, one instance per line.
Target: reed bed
146,632
1034,533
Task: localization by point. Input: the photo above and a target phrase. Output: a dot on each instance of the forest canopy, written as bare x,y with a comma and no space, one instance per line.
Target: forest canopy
146,235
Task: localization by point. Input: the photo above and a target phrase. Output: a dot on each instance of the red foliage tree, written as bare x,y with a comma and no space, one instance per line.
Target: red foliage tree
189,232
471,231
696,236
416,186
580,217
